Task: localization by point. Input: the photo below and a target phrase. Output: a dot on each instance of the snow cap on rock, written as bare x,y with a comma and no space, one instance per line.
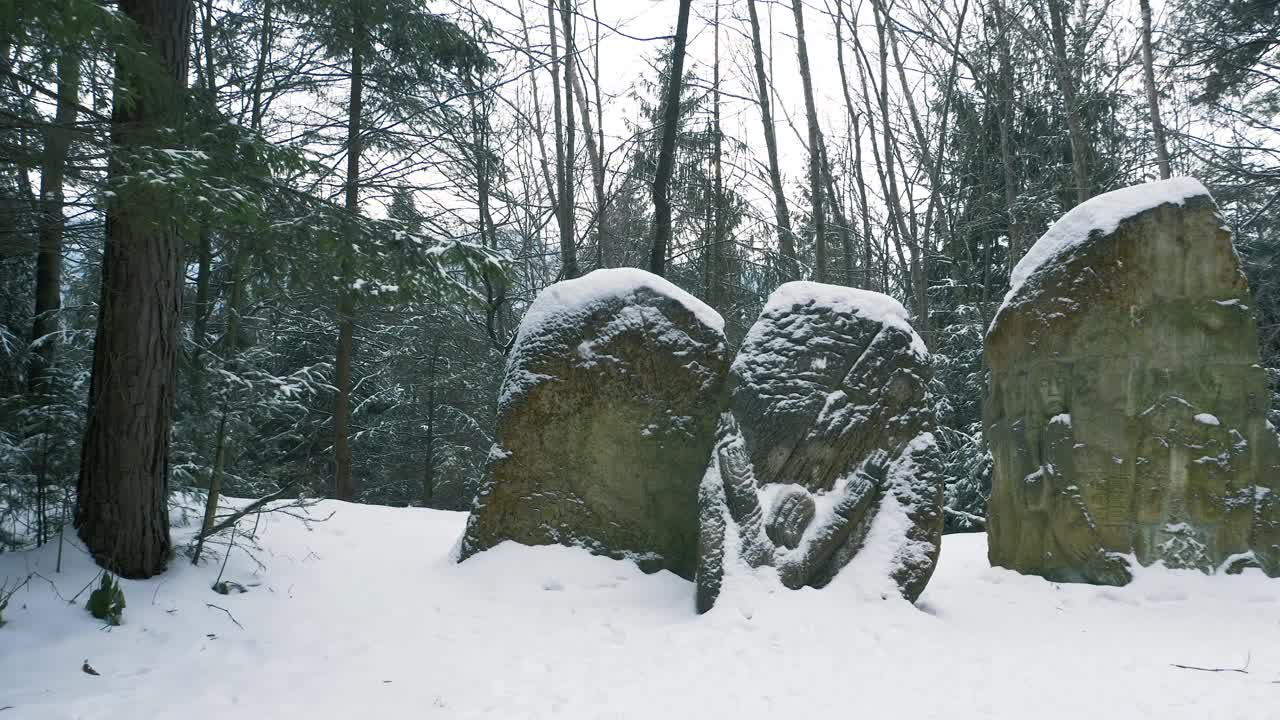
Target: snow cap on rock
1101,214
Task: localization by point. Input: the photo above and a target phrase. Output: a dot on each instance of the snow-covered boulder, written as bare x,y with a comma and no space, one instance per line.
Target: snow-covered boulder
1126,412
826,456
607,416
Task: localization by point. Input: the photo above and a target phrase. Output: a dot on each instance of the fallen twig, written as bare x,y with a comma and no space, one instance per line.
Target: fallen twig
1205,669
1243,669
228,612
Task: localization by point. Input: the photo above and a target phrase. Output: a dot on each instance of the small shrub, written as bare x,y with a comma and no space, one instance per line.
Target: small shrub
107,602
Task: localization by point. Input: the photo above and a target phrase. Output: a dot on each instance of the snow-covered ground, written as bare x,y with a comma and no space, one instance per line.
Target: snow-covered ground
366,616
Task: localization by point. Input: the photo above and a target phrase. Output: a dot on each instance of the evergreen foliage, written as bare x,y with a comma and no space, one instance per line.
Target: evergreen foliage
107,602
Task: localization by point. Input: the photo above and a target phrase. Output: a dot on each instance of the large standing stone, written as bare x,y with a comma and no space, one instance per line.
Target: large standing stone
827,449
607,416
1126,413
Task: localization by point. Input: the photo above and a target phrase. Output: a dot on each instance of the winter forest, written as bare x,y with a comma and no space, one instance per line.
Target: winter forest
257,256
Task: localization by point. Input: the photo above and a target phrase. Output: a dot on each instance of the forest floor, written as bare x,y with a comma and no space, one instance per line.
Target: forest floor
366,616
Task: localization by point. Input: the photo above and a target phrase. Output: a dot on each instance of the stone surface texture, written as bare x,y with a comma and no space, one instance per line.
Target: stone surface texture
1126,407
608,414
827,448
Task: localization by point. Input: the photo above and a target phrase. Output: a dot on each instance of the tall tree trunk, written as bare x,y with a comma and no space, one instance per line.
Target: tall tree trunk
122,512
816,194
922,244
230,344
595,154
841,222
608,253
235,299
553,188
260,69
204,252
52,222
564,184
568,208
855,120
429,464
1004,91
667,151
1080,147
344,487
1153,97
782,216
716,284
898,231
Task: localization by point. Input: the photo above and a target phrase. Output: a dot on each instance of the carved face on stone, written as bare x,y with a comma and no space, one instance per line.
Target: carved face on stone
1051,391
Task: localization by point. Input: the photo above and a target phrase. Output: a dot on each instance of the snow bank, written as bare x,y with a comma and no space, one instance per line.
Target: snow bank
1101,214
366,616
844,300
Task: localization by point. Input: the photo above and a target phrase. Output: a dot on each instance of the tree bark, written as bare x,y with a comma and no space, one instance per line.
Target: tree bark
230,346
595,154
344,484
122,511
429,465
782,216
52,222
260,69
666,152
715,275
564,188
854,119
1153,97
1007,162
1080,148
816,194
568,206
553,188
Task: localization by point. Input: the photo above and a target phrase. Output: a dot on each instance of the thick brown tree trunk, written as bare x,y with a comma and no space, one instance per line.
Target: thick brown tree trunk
52,222
782,216
122,511
667,150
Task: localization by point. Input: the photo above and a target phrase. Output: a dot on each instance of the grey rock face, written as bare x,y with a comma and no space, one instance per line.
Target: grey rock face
1126,414
829,399
608,414
793,510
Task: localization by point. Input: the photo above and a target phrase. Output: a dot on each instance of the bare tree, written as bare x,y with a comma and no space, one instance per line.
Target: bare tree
667,150
816,160
1081,150
1153,96
782,216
